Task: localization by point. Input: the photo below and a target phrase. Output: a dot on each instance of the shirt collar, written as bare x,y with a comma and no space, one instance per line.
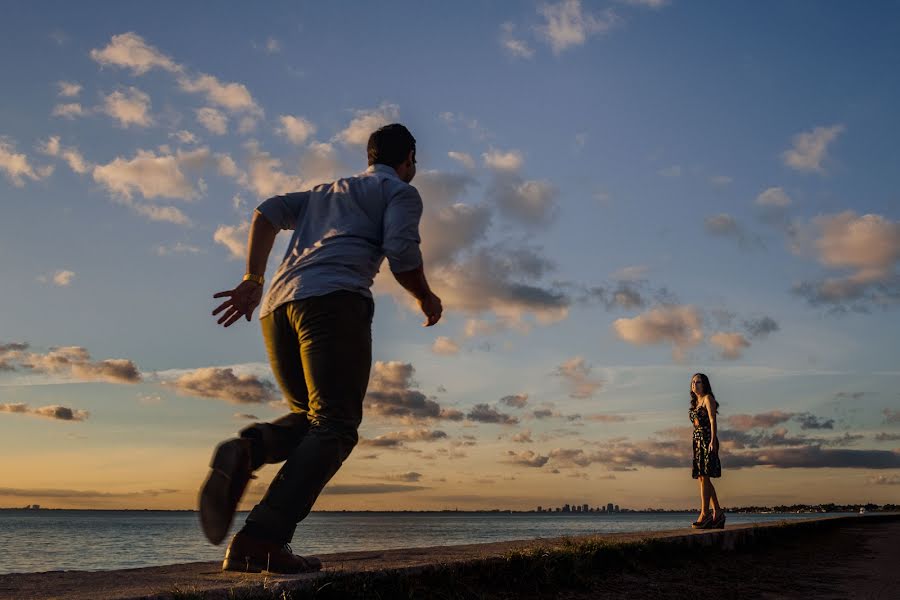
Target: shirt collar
383,169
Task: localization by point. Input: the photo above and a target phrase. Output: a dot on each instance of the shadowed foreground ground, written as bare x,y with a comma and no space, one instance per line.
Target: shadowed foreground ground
856,557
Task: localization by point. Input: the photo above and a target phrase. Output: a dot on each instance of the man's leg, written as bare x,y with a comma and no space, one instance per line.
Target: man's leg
336,351
273,442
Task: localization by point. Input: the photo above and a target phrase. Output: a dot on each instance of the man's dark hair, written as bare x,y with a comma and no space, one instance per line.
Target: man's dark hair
390,145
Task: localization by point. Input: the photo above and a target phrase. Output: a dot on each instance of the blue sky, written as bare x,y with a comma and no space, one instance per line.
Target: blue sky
617,195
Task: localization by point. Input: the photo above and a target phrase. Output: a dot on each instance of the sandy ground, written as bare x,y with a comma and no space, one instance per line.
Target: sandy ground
858,559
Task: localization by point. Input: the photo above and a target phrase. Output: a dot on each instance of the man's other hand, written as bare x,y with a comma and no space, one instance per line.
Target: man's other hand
241,302
432,308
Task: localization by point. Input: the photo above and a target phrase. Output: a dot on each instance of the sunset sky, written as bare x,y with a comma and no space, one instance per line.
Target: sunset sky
617,195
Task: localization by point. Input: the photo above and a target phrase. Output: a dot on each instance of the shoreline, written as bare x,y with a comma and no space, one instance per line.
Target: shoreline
440,565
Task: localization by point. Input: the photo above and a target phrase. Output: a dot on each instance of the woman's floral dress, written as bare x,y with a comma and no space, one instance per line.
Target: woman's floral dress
705,462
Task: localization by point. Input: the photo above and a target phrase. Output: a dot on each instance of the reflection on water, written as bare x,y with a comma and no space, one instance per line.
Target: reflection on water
49,540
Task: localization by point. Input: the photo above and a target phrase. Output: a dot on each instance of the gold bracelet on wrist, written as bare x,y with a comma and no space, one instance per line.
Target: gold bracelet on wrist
254,278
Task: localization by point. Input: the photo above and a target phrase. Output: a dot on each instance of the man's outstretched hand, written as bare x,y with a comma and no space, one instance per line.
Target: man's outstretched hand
241,302
432,308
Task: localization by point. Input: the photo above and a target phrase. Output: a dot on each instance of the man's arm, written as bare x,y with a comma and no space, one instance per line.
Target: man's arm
243,299
415,283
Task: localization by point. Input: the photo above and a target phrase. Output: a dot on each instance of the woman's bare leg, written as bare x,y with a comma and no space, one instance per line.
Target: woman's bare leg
704,497
711,489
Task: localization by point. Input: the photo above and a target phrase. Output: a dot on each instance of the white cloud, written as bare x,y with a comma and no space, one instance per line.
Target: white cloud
264,174
367,121
129,108
75,362
680,326
296,129
16,166
184,136
226,166
69,111
273,46
774,197
55,411
444,345
810,148
177,248
224,384
528,202
577,375
68,89
214,120
503,161
567,25
464,159
63,278
72,156
731,344
320,164
130,51
514,46
246,125
234,97
233,237
164,214
148,174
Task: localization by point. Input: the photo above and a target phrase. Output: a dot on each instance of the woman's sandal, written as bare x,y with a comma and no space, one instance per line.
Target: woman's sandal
702,523
719,521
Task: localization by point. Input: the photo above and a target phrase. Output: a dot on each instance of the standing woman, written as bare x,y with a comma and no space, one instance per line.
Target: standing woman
704,407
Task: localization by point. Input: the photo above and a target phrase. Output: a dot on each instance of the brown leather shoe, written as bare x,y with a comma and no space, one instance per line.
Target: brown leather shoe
220,494
252,555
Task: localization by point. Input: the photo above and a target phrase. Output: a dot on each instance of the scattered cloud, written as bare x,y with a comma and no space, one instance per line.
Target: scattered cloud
463,158
297,129
391,395
184,136
130,51
72,156
233,97
678,325
577,375
869,247
74,362
365,122
567,25
761,420
513,45
515,401
62,278
69,89
16,167
409,477
523,437
809,421
885,480
214,120
891,416
149,174
233,237
810,148
773,197
528,202
129,107
60,413
731,344
80,494
884,436
224,384
526,458
760,327
177,248
445,345
69,110
264,174
503,161
397,439
483,413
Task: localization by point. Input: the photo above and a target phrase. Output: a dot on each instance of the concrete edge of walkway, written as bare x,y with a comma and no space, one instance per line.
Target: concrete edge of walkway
206,581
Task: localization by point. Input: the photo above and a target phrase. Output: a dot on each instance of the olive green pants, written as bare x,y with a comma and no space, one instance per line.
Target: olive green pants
320,350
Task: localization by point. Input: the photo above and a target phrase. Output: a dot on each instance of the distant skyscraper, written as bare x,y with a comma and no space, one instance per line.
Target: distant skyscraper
540,509
584,508
609,507
617,508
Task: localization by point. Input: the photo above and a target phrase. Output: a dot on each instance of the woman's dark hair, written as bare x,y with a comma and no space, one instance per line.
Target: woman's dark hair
707,388
390,145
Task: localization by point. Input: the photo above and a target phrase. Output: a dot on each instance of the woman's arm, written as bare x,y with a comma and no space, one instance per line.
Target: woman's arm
713,425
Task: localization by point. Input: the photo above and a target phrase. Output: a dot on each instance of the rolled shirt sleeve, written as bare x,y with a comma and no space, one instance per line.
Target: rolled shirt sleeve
283,211
401,230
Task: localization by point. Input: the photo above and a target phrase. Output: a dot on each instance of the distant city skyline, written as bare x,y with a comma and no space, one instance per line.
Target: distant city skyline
617,195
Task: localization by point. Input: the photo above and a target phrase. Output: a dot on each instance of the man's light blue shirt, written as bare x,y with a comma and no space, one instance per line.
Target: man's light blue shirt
342,233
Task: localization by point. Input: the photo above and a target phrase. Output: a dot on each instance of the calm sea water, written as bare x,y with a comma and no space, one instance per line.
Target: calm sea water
50,540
